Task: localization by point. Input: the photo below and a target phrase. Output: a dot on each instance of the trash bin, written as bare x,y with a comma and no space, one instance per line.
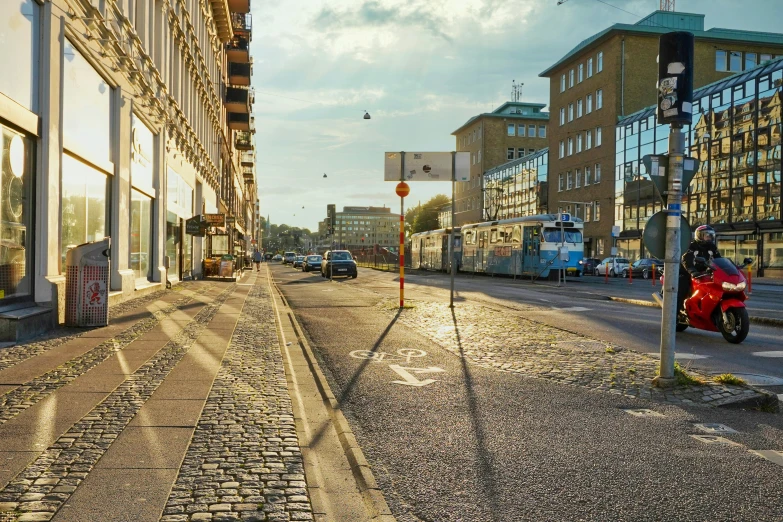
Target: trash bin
87,284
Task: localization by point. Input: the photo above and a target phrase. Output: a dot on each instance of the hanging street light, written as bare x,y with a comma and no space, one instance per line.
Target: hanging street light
366,115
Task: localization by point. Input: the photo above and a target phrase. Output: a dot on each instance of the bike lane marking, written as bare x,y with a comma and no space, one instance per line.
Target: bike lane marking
406,372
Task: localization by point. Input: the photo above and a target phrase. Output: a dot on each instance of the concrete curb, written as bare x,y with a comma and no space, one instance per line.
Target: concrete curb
768,321
360,468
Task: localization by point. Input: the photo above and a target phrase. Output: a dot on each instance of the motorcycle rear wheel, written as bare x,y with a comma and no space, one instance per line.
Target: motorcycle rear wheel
736,329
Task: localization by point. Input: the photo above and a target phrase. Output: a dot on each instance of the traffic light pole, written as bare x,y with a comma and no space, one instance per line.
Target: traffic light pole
671,270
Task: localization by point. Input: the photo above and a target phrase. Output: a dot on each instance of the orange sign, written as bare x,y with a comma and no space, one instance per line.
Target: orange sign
504,251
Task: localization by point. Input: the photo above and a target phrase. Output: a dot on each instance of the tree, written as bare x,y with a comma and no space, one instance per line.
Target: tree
426,217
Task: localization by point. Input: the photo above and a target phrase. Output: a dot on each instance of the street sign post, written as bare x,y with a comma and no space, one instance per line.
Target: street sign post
427,166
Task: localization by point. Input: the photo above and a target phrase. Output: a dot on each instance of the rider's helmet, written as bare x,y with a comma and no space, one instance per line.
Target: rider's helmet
704,234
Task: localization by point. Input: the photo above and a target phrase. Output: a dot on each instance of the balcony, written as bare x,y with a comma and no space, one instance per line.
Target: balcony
221,14
238,121
238,50
239,6
242,24
247,173
248,159
243,140
238,99
240,73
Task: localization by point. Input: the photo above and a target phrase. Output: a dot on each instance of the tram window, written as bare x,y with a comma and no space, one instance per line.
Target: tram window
483,239
552,235
516,235
507,238
493,237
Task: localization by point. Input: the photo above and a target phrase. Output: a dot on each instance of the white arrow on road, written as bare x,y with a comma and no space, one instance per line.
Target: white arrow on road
411,380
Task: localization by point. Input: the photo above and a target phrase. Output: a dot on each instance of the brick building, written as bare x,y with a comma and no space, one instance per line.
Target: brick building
608,76
511,131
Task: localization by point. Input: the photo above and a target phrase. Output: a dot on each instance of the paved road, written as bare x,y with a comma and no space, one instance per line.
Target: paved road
478,444
581,307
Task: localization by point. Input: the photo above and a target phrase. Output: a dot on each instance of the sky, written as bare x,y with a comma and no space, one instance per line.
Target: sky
420,68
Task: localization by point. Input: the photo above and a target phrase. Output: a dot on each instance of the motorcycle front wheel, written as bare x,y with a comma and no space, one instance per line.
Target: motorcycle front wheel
736,326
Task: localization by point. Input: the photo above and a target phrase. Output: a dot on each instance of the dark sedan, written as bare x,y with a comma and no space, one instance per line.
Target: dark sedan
644,268
312,264
338,263
589,264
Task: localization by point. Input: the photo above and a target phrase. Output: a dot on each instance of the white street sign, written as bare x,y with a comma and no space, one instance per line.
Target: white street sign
426,166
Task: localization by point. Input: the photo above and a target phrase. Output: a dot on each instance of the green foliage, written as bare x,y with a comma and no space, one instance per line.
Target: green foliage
425,217
728,378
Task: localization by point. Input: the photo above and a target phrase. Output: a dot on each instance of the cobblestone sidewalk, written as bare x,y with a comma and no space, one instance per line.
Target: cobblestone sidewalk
511,343
244,462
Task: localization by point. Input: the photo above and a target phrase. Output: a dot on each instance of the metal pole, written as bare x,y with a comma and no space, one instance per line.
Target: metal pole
562,239
453,254
671,263
402,235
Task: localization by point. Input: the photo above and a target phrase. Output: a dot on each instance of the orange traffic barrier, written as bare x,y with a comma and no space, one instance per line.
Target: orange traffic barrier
606,274
630,275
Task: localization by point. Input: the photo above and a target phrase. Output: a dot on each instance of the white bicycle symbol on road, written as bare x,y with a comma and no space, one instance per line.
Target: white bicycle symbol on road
405,354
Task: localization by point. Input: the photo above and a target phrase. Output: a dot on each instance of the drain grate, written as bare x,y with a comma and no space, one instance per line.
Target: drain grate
714,439
643,412
713,427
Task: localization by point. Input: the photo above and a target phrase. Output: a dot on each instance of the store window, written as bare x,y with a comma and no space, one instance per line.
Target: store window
141,234
84,196
16,167
19,51
173,240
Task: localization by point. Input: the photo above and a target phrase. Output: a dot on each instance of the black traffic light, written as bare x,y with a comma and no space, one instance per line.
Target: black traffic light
675,78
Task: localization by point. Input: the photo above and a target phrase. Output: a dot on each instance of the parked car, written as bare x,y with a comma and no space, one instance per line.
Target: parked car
338,263
613,265
289,257
312,263
589,264
277,257
643,268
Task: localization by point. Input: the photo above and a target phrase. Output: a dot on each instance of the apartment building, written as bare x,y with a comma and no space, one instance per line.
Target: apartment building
513,130
122,119
363,228
613,74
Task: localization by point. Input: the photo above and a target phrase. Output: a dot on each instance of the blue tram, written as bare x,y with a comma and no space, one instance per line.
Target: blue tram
430,250
523,246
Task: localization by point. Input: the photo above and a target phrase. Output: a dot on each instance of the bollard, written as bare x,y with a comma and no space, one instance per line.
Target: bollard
630,274
654,275
606,275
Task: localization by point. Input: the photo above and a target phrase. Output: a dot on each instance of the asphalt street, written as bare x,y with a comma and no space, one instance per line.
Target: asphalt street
449,440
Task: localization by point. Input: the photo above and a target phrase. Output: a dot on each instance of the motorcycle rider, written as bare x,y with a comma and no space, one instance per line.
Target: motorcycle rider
703,245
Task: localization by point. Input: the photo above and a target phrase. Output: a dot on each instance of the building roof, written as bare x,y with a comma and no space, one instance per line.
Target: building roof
660,22
512,110
712,88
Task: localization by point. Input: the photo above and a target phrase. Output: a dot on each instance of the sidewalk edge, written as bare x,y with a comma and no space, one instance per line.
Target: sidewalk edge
767,321
360,468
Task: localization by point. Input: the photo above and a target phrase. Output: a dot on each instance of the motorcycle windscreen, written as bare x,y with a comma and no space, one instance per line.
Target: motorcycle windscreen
726,265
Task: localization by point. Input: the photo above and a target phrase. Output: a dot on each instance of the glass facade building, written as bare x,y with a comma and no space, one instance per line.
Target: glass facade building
735,135
517,188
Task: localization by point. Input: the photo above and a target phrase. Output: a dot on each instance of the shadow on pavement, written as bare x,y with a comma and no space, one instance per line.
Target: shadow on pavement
485,466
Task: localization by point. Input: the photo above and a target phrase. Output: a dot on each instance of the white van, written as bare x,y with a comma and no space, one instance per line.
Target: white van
289,257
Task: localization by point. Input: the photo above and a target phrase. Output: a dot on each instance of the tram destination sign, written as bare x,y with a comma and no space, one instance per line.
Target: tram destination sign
426,166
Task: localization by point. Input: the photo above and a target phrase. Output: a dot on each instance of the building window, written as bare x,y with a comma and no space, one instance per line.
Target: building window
588,139
561,150
570,112
560,182
751,60
587,177
479,157
531,151
589,104
512,129
510,153
597,211
588,211
598,136
599,66
83,213
141,234
720,60
597,173
735,61
599,99
19,27
578,178
542,131
521,130
570,146
562,116
569,180
570,78
579,108
531,131
579,143
479,132
562,83
581,74
599,246
589,67
520,152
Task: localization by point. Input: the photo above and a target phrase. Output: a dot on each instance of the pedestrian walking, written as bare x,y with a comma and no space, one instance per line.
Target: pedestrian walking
257,259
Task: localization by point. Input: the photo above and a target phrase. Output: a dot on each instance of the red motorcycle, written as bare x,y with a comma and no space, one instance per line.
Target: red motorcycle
717,301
